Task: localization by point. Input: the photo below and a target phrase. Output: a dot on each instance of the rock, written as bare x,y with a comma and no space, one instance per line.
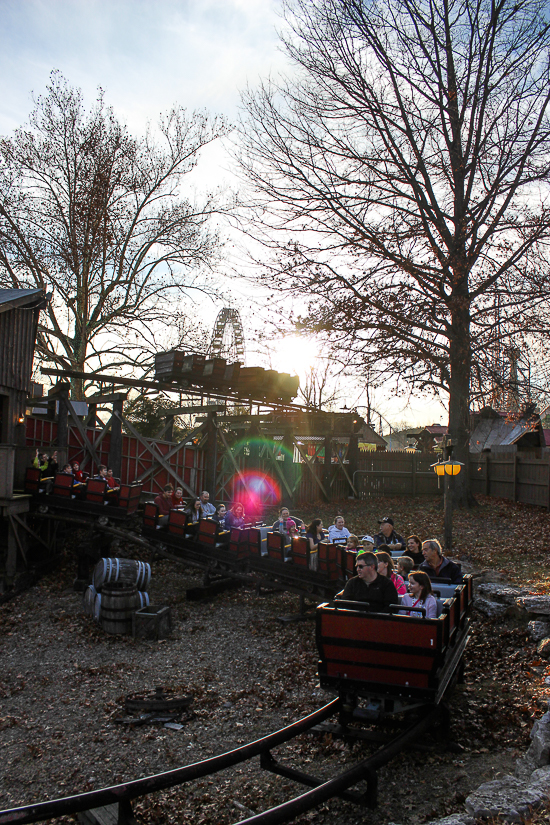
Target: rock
509,798
453,819
501,593
489,575
539,749
540,780
537,605
543,648
525,768
490,608
537,630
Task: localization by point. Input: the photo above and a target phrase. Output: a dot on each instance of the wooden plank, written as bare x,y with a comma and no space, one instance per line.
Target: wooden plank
232,458
159,458
82,432
26,527
350,482
206,408
15,532
181,444
311,466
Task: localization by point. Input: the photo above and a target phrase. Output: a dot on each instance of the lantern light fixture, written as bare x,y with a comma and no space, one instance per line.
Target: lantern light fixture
451,467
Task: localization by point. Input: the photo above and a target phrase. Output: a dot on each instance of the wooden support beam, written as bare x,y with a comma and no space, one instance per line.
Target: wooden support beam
107,398
26,527
63,423
311,468
115,446
276,464
111,379
211,453
13,525
86,443
327,466
229,452
97,442
157,385
353,457
146,473
205,408
350,482
157,456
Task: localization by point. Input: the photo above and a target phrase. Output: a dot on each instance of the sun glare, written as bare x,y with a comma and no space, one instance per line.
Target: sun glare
295,354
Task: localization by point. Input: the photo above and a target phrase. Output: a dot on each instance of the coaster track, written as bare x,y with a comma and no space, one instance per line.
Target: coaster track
123,795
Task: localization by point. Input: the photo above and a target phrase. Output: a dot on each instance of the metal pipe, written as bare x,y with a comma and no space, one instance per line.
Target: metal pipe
140,787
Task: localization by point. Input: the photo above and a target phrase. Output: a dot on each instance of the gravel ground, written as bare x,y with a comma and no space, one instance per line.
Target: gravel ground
63,682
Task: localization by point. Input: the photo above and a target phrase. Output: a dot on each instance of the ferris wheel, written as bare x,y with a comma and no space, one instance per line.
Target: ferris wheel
228,336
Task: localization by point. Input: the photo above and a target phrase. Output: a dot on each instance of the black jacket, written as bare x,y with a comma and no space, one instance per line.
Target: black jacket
448,570
379,594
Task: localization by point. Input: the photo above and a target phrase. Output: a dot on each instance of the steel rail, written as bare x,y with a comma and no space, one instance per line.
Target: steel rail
150,784
336,787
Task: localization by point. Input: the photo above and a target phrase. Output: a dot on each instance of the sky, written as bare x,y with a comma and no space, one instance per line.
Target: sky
147,56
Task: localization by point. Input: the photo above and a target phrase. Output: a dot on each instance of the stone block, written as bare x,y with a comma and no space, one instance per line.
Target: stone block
492,609
543,648
453,819
501,593
509,798
539,749
538,630
540,781
536,605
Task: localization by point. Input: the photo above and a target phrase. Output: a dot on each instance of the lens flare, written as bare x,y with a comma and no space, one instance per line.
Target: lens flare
255,489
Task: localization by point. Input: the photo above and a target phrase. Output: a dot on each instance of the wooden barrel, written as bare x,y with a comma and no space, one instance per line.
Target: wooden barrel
89,597
143,576
95,609
118,604
123,571
144,599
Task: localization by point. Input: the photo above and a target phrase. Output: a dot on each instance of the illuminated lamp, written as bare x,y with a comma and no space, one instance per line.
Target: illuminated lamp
451,467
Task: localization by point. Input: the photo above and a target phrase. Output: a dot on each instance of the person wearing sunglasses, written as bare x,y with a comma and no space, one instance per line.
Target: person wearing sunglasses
369,586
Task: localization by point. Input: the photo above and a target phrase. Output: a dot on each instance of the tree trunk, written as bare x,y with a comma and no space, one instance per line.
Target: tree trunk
460,357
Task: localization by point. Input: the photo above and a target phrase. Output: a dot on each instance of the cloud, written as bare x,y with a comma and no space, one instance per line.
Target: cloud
146,56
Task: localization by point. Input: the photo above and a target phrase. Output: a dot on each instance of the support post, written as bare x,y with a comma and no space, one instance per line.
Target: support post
288,467
211,454
327,466
353,459
115,447
62,393
92,415
168,428
448,510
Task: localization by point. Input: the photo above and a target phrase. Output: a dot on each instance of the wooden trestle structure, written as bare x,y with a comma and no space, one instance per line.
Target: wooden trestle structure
308,455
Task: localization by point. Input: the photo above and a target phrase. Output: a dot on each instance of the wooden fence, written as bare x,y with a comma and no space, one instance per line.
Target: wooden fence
396,474
515,476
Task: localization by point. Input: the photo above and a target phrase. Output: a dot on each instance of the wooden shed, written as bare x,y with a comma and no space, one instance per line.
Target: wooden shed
19,310
506,432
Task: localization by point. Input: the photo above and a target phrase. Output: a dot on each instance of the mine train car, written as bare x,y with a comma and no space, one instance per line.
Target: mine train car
271,557
93,499
393,660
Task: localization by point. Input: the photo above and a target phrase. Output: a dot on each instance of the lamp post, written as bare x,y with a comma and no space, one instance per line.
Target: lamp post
447,468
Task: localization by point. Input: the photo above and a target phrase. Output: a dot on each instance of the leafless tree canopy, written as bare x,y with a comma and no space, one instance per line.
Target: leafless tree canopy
401,180
99,217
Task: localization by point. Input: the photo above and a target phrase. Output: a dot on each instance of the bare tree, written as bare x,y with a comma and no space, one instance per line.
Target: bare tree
320,388
402,183
99,217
